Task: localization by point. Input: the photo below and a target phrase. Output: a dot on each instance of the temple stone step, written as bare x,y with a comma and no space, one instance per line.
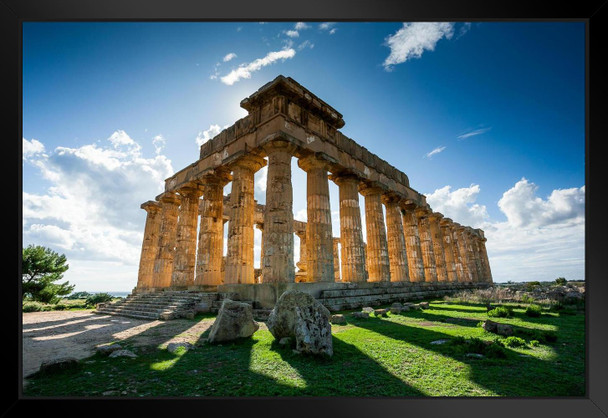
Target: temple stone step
157,305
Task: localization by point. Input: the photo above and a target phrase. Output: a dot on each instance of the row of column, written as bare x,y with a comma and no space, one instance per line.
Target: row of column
412,244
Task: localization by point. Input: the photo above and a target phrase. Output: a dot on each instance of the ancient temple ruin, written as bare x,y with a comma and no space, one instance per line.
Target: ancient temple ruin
411,249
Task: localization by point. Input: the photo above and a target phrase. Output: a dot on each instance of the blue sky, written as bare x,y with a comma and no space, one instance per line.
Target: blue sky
485,118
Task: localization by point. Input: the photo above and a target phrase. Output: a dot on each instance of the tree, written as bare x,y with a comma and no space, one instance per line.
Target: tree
561,281
41,268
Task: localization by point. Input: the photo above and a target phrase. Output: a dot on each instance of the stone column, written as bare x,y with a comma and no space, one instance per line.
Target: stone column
448,246
278,263
486,261
463,254
471,254
351,236
239,258
149,247
412,241
426,245
378,265
336,260
185,248
474,242
395,240
438,250
211,230
319,238
458,261
163,265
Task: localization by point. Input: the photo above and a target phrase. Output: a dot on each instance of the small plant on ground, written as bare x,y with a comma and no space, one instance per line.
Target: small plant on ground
513,342
534,311
98,298
501,312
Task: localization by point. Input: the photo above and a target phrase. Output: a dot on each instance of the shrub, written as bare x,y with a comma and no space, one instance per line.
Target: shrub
527,298
501,312
60,307
35,307
561,281
514,342
532,285
98,298
534,311
534,343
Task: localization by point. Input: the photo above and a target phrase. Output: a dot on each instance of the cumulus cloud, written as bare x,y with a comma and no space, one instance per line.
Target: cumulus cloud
435,151
523,208
413,39
245,70
32,148
206,135
292,33
459,205
229,57
301,26
91,211
327,26
542,239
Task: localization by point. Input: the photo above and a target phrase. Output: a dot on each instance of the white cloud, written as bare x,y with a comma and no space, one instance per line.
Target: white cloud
159,143
229,57
91,211
292,33
32,148
206,135
306,44
262,179
523,208
245,70
301,26
435,151
473,133
413,39
327,25
459,205
542,239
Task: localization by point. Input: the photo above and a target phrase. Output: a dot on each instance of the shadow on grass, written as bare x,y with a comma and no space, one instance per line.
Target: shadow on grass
514,376
444,319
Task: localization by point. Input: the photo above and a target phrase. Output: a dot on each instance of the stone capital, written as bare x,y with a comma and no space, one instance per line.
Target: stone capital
313,161
408,205
249,162
422,212
150,206
220,175
344,177
435,216
169,197
191,189
259,226
279,144
370,188
446,222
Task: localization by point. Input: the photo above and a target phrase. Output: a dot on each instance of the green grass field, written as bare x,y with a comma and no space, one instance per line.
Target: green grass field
375,357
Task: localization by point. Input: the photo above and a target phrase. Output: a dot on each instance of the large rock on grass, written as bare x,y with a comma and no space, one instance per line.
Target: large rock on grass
234,320
300,316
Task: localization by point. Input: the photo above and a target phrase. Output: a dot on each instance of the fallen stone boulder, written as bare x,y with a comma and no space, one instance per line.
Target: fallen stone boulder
381,312
361,315
338,319
58,364
123,353
108,349
367,309
498,328
423,305
300,316
234,320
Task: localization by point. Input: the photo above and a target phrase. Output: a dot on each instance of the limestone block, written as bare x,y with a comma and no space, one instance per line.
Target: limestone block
299,315
234,320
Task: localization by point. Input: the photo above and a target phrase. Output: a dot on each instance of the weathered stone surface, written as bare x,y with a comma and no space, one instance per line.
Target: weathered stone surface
123,353
338,319
173,347
498,328
108,349
234,320
299,315
381,312
63,363
424,305
361,314
367,309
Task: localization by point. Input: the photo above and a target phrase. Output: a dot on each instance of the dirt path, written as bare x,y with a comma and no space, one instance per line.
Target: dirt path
51,335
